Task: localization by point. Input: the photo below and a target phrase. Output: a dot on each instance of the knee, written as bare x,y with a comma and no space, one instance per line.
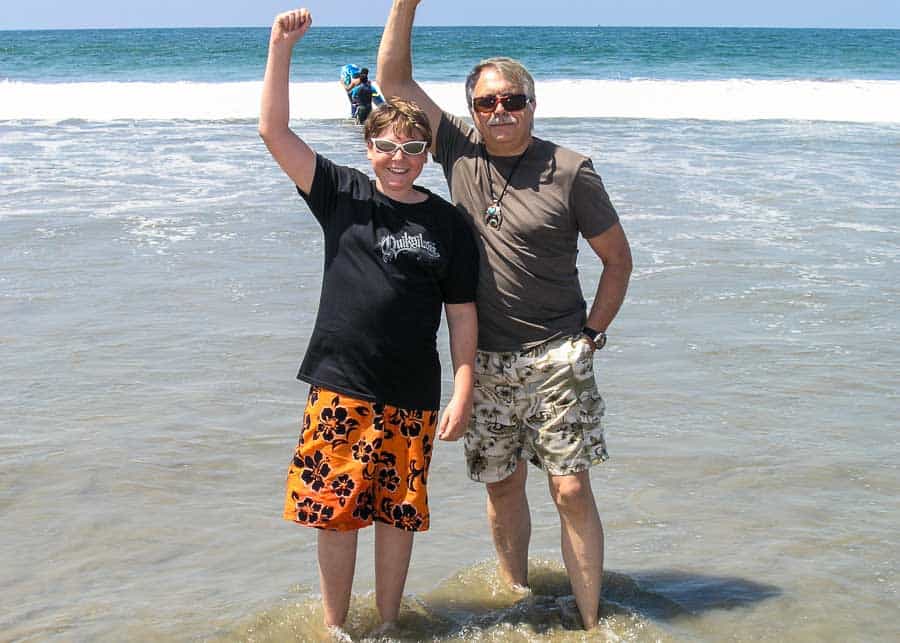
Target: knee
571,493
507,490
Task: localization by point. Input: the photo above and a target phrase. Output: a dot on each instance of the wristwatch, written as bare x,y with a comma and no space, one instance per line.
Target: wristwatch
596,337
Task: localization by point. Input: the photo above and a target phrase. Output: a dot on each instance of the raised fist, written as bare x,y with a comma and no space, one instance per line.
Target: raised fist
290,26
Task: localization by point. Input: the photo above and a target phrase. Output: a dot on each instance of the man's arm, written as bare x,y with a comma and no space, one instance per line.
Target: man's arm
613,249
395,61
294,156
462,321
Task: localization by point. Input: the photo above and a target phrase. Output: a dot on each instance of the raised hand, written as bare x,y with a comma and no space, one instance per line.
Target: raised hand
290,26
294,156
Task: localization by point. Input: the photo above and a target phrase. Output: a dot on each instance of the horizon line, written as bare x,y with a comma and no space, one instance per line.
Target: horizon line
483,26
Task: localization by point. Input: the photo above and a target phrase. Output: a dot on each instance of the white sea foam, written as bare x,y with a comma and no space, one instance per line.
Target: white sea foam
860,101
860,227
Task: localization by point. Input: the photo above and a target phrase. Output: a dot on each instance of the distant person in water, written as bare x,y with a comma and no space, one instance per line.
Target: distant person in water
351,77
395,254
361,97
349,80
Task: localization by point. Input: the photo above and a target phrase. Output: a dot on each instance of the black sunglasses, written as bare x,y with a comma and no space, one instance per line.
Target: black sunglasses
510,102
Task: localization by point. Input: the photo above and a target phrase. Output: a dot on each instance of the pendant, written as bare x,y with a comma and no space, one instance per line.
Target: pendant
492,216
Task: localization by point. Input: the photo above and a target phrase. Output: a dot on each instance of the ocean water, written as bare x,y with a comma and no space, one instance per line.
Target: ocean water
158,284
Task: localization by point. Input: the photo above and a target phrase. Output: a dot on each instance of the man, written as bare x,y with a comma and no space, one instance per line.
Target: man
535,395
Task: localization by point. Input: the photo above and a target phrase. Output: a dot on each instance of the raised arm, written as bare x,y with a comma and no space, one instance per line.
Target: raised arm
462,321
395,61
294,156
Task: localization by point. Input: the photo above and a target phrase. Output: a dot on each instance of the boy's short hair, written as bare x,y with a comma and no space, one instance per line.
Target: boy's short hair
400,116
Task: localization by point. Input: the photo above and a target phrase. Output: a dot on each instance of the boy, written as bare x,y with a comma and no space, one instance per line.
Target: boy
394,254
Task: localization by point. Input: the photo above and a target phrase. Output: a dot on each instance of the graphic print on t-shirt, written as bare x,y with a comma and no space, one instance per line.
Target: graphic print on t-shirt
388,269
422,250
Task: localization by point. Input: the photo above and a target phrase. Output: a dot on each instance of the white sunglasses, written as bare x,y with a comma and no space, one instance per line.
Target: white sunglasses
411,148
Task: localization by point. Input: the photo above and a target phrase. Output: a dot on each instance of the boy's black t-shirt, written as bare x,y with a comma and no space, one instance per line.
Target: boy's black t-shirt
389,267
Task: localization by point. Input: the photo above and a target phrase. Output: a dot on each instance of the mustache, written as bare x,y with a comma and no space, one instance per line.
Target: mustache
503,119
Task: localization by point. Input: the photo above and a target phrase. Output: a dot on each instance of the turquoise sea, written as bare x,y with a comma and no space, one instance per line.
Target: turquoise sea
446,53
159,278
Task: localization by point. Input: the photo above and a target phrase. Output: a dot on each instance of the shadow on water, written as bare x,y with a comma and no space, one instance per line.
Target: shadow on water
473,605
660,595
689,593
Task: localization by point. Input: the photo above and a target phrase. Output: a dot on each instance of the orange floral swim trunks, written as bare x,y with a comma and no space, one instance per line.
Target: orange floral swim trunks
358,462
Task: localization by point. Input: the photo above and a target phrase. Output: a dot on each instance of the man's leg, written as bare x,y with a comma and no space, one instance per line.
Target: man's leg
510,520
393,548
582,540
337,561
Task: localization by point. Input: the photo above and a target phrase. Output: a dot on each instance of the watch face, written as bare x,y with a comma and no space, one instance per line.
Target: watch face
600,340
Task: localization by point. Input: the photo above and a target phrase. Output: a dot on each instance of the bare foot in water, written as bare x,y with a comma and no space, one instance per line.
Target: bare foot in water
338,634
384,630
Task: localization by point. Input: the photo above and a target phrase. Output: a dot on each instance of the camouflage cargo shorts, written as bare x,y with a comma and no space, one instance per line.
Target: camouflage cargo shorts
541,405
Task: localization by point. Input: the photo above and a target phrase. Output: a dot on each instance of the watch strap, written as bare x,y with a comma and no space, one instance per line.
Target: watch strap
596,337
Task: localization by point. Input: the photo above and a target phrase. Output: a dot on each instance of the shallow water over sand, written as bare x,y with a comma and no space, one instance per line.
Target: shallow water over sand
158,283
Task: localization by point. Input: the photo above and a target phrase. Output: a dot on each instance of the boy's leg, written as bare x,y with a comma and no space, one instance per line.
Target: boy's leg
400,499
337,562
393,548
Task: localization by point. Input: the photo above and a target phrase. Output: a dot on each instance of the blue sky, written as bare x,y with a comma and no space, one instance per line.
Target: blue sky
42,14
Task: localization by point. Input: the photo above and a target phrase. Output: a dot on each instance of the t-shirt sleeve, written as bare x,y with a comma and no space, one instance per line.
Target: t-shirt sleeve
590,203
453,139
330,181
461,281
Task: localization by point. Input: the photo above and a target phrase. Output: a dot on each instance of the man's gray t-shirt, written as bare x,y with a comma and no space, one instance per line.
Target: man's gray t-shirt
528,288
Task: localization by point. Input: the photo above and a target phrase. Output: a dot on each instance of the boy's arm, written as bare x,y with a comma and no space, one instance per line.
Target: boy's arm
395,61
294,156
462,321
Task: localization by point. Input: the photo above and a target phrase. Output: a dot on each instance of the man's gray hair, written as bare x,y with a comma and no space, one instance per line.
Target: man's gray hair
512,70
